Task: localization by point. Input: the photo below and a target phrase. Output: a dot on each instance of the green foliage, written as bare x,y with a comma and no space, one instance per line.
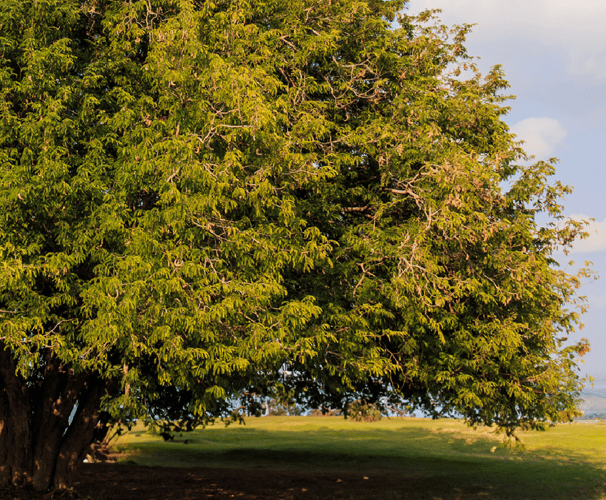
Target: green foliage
283,408
198,199
361,411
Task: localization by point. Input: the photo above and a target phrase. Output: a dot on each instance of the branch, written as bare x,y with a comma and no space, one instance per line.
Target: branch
397,191
355,209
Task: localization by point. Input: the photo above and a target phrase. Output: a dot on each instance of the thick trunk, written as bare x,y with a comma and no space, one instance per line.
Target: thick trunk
79,436
58,394
15,424
39,447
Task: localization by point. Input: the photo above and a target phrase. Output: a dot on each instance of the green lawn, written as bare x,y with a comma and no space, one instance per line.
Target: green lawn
566,462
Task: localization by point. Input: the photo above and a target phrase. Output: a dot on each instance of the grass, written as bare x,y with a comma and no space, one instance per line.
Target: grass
565,462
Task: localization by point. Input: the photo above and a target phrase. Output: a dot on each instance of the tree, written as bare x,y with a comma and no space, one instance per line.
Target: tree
200,200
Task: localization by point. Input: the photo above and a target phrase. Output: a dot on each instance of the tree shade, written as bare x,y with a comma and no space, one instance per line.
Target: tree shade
200,200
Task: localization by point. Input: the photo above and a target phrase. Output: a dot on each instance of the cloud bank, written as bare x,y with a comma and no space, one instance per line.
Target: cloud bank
541,136
575,30
596,242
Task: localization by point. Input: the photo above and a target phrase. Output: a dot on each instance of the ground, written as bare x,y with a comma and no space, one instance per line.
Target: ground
296,458
106,481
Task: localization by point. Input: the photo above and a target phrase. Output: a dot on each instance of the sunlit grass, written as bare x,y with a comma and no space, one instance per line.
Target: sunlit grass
568,461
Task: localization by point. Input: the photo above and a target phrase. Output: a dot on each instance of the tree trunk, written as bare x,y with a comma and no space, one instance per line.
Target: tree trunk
15,424
39,447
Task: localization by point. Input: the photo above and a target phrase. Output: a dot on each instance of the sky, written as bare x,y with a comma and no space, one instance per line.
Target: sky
553,54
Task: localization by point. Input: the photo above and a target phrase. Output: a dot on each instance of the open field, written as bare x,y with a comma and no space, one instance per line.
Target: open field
328,457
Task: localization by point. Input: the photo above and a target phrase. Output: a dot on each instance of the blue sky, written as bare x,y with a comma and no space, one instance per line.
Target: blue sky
553,54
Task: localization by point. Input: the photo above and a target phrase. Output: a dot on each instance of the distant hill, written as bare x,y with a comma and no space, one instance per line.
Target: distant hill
593,402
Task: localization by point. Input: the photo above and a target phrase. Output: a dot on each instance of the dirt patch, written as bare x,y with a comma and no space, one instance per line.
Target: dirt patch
100,481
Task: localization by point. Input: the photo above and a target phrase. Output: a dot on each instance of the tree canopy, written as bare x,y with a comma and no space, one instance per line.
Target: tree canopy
202,199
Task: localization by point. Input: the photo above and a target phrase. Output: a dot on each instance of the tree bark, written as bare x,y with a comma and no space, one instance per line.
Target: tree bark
80,435
39,446
15,424
59,393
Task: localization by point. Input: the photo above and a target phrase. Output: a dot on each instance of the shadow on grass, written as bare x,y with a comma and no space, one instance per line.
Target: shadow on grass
438,465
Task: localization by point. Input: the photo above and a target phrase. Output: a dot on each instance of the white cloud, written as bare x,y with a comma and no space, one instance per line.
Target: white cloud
541,136
576,30
596,242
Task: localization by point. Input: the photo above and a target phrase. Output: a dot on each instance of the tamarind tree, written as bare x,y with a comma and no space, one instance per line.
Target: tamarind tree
202,199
